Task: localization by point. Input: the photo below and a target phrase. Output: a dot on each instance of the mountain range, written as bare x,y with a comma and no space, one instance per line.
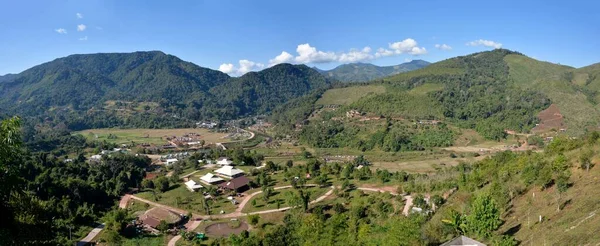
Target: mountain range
362,72
147,89
79,85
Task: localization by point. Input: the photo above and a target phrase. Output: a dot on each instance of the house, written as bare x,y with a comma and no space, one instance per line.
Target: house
229,171
192,185
96,158
224,161
153,216
463,241
171,161
237,184
210,178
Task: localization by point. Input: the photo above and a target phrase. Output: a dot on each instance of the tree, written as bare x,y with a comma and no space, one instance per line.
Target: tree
289,163
562,184
115,220
253,219
484,217
162,226
322,179
305,196
420,202
585,159
253,202
147,184
267,193
162,184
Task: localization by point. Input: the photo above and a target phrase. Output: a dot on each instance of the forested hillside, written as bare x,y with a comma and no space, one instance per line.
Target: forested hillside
362,72
477,91
120,89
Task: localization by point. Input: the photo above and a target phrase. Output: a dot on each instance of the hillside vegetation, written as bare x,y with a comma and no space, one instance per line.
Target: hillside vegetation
473,92
75,90
362,72
576,101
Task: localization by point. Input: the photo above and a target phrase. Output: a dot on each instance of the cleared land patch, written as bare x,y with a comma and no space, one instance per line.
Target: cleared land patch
152,136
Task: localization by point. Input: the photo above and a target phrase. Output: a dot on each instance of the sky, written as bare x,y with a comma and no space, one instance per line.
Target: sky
240,36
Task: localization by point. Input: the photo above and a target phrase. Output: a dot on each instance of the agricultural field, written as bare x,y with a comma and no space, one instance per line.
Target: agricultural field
151,136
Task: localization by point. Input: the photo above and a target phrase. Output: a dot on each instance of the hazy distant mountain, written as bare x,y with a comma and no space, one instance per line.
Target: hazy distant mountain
361,72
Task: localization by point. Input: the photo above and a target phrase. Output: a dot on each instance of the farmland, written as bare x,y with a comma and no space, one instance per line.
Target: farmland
151,136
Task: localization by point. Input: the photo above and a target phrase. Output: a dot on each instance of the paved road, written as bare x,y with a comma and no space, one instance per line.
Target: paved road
90,236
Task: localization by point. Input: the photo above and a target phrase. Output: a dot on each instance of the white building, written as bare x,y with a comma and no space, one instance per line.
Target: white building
210,178
224,161
96,157
229,171
192,185
169,162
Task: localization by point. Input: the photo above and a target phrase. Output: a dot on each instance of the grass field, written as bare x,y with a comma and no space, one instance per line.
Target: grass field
345,96
181,197
153,136
281,196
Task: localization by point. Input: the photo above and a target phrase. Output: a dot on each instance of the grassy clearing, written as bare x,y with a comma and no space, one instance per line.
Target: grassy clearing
153,136
424,166
348,95
577,224
282,197
426,88
181,197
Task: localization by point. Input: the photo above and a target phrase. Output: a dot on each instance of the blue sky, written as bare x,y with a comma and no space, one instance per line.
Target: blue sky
239,36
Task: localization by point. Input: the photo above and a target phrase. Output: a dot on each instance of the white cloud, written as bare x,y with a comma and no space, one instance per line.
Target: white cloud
356,55
83,39
487,43
247,66
244,67
284,57
61,31
407,46
81,27
227,68
99,28
309,54
443,47
79,16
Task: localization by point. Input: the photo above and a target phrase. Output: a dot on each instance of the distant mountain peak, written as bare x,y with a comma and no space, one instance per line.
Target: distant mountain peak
361,72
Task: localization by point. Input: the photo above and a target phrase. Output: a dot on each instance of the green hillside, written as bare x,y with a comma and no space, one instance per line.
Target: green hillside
474,91
576,102
361,72
347,95
78,90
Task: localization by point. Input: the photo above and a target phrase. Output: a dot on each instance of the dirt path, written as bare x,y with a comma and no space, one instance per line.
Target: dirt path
90,236
407,205
124,201
176,210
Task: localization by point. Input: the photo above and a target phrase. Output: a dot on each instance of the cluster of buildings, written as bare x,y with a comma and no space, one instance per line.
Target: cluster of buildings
206,124
98,157
226,177
189,139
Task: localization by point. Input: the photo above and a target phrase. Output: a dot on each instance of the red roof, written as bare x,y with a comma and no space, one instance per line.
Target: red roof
235,183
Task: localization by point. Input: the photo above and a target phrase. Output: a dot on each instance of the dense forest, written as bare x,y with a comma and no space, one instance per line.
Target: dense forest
45,198
147,89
